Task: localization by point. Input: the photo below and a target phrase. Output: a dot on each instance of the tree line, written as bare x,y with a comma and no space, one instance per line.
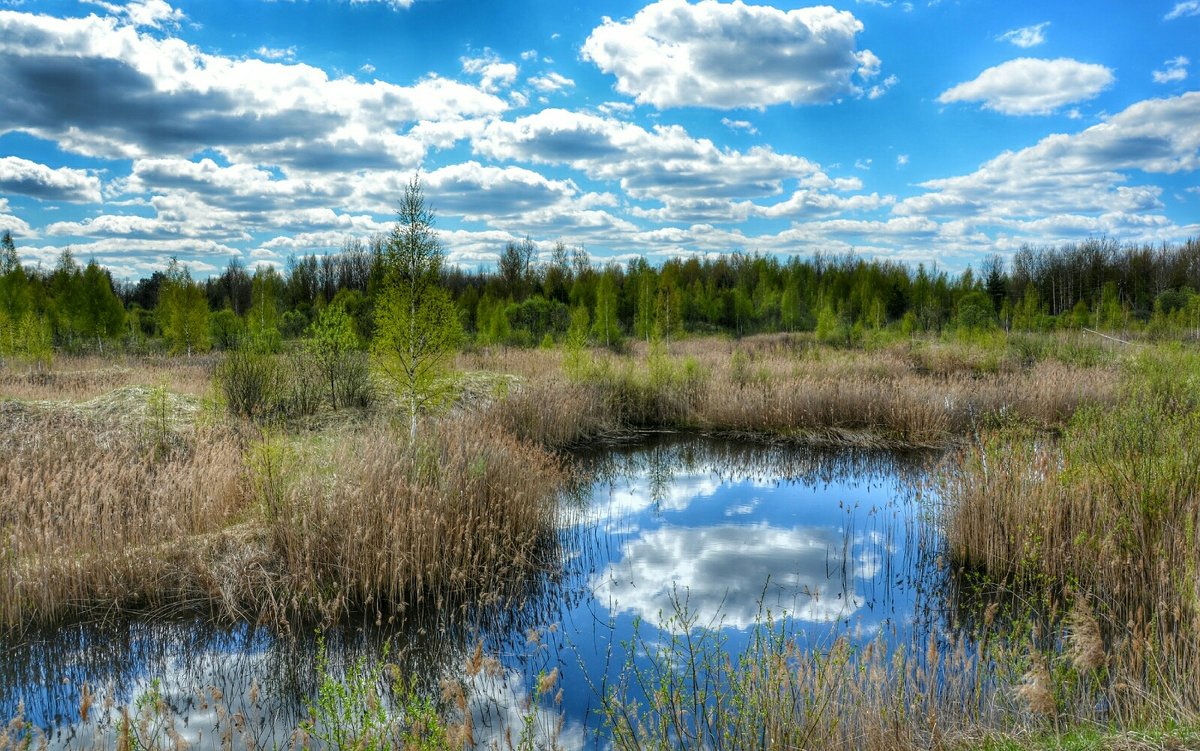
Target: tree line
529,299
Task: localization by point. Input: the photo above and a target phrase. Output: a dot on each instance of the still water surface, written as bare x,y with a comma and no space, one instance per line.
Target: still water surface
661,537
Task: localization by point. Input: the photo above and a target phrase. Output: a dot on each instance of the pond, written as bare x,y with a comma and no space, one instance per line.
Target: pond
660,540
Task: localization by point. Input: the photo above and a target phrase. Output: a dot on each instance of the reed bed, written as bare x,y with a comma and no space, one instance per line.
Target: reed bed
993,687
782,386
1107,512
99,515
377,523
103,514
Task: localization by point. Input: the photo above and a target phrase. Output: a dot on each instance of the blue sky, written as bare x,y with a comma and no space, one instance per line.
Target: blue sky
918,131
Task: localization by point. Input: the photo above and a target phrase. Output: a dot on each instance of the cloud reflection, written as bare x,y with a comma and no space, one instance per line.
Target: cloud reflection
728,573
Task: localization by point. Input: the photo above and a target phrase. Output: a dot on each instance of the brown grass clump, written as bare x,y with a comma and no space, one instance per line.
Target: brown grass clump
97,514
455,519
781,386
1110,511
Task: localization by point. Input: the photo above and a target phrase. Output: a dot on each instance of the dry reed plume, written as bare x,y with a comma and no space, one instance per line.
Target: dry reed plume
456,519
99,515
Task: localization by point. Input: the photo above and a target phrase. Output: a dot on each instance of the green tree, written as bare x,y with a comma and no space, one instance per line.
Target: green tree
100,314
226,328
332,343
262,320
9,259
975,311
416,324
182,310
605,326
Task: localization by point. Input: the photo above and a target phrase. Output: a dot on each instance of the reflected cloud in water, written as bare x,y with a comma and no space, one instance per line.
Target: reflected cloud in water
730,574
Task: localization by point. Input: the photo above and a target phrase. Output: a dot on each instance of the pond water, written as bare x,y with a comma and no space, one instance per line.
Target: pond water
661,538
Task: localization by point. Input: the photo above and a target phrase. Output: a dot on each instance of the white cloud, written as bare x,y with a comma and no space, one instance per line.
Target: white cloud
1077,181
149,13
551,82
730,55
393,4
720,572
663,161
1182,9
494,73
1175,70
901,160
274,53
1026,36
1032,86
22,176
863,164
742,125
881,88
108,90
19,227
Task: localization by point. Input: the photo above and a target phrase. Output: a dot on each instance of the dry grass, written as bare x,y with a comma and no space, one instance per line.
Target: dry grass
101,514
782,386
377,523
84,378
1109,511
130,502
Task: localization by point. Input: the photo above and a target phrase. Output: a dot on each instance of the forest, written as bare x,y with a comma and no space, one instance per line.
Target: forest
532,298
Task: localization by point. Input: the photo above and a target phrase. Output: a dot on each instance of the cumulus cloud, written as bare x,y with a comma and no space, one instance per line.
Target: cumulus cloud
494,73
662,161
729,55
1026,36
106,89
742,125
551,82
150,13
1174,70
11,223
1032,86
1076,183
28,178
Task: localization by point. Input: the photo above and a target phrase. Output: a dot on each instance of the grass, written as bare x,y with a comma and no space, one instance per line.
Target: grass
1104,514
122,490
785,387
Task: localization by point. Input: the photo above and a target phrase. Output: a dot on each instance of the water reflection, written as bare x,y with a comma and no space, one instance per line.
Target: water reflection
732,573
835,541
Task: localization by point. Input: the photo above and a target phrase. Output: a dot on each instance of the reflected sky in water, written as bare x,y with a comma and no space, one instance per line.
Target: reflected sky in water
718,533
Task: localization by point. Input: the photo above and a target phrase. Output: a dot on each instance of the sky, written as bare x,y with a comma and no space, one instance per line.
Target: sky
927,131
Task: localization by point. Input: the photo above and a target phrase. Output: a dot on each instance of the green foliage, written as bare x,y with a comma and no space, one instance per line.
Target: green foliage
182,311
356,710
975,312
831,327
349,712
334,346
226,329
606,326
417,328
100,315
